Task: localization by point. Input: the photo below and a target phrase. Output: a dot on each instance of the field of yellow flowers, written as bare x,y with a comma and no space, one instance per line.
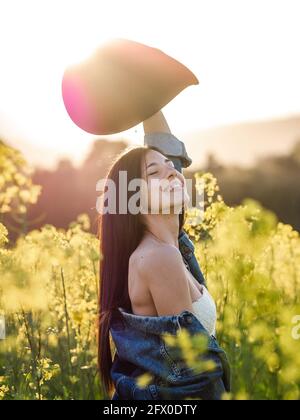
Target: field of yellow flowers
48,296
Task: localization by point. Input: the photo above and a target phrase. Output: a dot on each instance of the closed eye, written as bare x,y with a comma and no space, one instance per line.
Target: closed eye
169,161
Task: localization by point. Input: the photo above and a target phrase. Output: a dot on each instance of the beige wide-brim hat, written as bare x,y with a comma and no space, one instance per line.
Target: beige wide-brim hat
120,85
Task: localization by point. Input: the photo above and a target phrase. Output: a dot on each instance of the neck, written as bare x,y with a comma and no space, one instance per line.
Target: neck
165,227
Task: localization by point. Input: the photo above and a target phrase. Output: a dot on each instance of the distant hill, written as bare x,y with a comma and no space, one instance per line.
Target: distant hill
243,143
239,144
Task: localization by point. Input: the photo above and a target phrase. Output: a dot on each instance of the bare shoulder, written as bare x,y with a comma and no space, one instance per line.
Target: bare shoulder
161,270
159,257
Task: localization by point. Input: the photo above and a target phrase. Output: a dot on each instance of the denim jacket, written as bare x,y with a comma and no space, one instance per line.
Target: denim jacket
140,347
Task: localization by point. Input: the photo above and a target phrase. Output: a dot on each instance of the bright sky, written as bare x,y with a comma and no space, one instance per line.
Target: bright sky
244,53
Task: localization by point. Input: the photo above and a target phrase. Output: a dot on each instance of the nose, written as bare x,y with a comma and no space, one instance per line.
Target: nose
172,173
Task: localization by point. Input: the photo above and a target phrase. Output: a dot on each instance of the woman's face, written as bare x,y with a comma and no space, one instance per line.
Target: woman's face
165,190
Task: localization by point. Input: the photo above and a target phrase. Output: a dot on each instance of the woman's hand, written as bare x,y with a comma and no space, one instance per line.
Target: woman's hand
156,124
158,134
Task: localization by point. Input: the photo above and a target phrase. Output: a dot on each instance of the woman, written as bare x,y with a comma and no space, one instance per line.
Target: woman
149,271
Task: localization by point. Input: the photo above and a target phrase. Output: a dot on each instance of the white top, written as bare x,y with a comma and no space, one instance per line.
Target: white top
205,310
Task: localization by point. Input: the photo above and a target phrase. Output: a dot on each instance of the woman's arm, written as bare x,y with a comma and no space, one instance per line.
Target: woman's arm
158,134
156,123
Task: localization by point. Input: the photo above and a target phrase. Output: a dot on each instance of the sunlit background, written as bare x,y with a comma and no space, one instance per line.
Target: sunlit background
244,53
241,127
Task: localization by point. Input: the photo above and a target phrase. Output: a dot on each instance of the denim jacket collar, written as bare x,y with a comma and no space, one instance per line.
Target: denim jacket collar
168,324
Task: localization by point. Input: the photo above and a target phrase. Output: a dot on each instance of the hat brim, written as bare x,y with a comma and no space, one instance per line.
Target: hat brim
120,85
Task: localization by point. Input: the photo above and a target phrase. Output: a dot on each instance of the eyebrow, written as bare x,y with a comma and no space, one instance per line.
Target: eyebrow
154,163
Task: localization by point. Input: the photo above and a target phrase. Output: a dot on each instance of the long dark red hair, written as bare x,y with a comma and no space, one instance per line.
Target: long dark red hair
119,236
